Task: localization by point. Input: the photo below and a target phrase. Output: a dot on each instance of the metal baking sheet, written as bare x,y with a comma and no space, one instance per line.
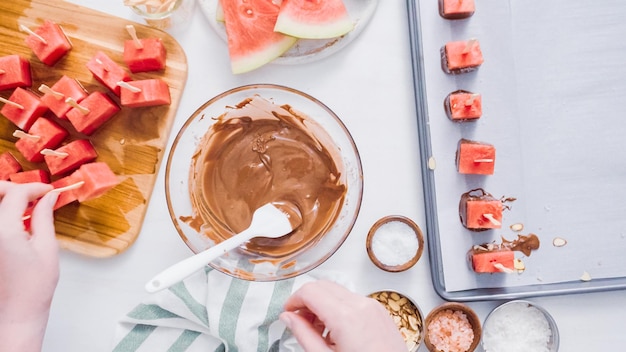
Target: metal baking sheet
552,85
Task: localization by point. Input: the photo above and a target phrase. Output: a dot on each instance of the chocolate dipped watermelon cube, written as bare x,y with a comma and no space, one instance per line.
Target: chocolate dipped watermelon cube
107,71
55,97
98,178
495,261
94,111
479,210
8,165
456,9
69,157
67,197
144,55
147,92
23,108
29,176
43,134
14,72
461,56
462,105
476,158
49,43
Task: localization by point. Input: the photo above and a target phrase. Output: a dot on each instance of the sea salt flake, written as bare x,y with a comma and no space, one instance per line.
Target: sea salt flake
394,243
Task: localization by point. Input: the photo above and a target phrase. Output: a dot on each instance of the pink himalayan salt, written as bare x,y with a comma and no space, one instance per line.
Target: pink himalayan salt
450,331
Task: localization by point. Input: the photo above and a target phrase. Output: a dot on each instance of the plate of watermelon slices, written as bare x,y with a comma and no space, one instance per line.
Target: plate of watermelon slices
304,50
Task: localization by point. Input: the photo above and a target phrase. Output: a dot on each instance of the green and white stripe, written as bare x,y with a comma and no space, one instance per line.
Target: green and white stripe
210,311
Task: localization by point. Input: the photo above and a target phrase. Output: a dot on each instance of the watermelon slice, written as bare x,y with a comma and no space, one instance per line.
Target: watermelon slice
49,43
151,56
8,165
98,178
252,41
29,107
14,72
462,56
74,155
100,108
493,261
43,134
55,96
313,19
29,176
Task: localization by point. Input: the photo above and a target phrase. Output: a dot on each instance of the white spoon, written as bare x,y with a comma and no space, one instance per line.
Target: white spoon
271,220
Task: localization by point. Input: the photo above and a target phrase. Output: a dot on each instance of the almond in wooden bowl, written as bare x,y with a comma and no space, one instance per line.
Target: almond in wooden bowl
406,314
452,327
395,243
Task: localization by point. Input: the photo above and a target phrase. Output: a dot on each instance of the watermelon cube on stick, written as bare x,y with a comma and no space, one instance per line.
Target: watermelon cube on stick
8,165
473,157
29,176
463,106
14,72
456,9
147,92
98,178
462,56
252,41
143,55
313,19
92,112
107,71
495,261
479,210
43,134
22,108
66,186
69,157
56,97
48,42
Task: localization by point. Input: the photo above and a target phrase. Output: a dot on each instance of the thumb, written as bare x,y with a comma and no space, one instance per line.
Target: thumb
306,334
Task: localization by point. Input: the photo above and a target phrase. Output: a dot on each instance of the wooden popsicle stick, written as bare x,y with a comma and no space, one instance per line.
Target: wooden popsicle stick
23,28
492,219
133,34
470,101
71,102
469,45
21,134
128,86
483,160
47,90
503,268
50,152
12,103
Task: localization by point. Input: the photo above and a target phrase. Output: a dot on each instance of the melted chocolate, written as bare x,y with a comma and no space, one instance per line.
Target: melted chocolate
258,153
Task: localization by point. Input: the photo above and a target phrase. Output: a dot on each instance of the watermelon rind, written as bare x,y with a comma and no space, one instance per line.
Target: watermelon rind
313,19
252,41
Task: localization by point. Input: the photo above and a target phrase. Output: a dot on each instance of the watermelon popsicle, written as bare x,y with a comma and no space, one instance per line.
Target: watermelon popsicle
479,210
92,112
461,56
142,93
22,108
55,97
48,42
473,157
43,134
143,55
456,9
69,156
107,71
8,165
463,105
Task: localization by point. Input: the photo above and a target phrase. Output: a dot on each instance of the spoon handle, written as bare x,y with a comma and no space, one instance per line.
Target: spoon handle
186,267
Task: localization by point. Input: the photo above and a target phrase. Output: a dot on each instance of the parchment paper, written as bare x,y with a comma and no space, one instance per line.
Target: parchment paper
554,90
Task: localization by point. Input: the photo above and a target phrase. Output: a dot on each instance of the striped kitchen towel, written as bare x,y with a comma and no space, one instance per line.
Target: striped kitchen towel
211,311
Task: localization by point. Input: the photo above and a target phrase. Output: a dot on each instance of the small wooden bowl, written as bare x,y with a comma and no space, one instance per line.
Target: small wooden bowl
404,266
472,317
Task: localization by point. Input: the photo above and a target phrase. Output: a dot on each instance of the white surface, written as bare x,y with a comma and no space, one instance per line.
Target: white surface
368,84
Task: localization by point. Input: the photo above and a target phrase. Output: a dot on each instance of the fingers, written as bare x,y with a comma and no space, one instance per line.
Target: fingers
323,298
305,332
42,221
14,199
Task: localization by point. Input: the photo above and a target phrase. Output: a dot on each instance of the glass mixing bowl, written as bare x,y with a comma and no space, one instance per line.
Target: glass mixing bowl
243,263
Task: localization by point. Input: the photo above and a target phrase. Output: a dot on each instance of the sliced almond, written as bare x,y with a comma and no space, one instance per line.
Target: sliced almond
517,227
585,276
559,242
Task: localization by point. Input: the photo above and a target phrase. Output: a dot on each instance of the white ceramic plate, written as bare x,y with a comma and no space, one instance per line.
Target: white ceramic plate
307,50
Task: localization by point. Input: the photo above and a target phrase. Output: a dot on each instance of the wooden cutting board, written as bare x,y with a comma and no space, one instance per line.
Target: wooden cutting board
132,142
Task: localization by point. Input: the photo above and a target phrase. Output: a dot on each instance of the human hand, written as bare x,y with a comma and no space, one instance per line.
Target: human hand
352,322
29,265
